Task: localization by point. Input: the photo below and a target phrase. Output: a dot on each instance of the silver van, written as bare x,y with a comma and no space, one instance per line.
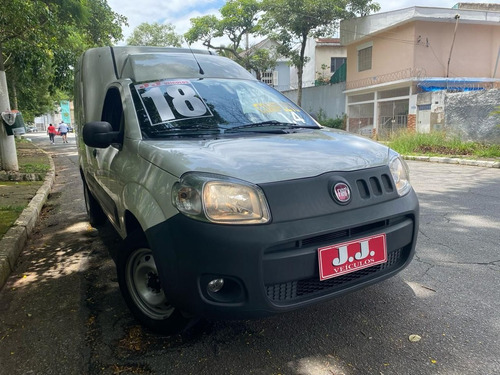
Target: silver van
232,201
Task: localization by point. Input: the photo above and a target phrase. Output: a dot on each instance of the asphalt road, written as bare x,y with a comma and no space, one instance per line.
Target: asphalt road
61,310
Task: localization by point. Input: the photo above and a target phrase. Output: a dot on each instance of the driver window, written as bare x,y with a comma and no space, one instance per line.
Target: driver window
112,111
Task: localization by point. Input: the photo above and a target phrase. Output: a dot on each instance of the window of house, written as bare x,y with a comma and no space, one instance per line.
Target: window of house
402,91
365,58
270,78
336,62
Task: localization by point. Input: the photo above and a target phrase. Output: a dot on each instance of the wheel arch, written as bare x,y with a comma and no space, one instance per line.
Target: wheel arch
141,209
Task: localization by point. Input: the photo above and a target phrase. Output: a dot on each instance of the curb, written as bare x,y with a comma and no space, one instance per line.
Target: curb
445,160
12,243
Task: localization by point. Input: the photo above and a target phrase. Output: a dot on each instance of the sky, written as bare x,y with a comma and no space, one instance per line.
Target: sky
179,12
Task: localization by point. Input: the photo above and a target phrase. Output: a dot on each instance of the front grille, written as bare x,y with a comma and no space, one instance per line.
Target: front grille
374,186
293,290
334,236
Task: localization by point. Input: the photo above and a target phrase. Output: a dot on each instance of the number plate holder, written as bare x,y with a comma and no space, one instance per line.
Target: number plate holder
346,257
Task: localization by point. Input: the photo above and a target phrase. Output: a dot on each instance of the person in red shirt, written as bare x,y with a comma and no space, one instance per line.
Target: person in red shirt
51,130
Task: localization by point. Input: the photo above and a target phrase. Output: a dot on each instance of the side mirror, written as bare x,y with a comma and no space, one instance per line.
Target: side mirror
99,134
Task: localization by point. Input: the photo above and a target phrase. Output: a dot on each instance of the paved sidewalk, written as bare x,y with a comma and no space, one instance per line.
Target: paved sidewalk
12,243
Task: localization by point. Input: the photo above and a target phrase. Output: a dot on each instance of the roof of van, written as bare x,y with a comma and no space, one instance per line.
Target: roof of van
100,67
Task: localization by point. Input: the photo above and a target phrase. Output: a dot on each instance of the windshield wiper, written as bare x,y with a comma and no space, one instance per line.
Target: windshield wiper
272,125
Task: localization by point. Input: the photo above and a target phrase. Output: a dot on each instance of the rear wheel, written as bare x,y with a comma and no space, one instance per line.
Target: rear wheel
96,215
141,288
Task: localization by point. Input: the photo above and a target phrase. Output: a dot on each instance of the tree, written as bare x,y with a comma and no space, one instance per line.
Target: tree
154,34
361,8
40,42
291,22
259,60
239,19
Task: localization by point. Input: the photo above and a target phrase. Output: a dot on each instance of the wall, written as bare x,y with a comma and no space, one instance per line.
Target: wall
474,52
309,73
469,115
329,99
283,70
324,55
392,51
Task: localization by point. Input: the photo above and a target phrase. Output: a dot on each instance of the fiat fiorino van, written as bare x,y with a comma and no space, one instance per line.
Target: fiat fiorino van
231,200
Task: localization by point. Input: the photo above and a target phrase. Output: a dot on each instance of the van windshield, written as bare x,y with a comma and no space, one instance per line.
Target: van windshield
204,107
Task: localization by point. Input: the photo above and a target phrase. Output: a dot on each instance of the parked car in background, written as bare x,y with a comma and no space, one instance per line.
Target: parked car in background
232,201
31,129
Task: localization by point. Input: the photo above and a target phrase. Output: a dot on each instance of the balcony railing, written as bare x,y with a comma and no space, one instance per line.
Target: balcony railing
416,73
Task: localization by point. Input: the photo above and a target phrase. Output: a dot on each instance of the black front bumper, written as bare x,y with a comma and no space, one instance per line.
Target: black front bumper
274,267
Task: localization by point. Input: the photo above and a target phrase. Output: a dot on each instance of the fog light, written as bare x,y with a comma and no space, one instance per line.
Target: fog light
215,285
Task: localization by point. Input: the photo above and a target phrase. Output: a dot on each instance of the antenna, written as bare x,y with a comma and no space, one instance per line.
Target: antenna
195,59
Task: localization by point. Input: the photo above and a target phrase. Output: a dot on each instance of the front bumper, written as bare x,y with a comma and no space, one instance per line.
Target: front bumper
273,268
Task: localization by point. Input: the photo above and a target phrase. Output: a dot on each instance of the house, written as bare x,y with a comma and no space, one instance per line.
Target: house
279,76
395,60
326,55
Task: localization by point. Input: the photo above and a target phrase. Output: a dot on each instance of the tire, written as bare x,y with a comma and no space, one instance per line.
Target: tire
96,215
141,288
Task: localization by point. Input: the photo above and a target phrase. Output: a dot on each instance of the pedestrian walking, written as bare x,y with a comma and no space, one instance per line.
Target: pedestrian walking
51,131
63,131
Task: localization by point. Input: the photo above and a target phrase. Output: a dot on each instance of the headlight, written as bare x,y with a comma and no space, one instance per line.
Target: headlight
220,199
400,174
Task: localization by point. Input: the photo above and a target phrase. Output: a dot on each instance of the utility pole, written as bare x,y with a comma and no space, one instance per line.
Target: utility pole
457,17
8,152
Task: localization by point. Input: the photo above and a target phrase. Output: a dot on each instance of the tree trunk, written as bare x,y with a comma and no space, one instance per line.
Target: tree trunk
14,93
7,143
300,69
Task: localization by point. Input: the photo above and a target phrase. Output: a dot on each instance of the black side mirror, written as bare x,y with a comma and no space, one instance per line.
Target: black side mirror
99,134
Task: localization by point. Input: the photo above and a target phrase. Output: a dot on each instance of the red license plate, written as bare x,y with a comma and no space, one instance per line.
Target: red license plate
346,257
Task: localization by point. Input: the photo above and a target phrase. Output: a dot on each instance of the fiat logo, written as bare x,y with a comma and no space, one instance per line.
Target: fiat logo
342,193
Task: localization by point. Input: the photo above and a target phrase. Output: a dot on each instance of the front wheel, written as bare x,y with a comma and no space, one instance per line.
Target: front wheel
141,288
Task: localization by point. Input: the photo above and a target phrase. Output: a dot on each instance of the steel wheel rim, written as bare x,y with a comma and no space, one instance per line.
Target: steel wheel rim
144,286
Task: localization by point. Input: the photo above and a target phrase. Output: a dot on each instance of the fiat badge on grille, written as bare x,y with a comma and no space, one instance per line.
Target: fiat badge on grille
342,193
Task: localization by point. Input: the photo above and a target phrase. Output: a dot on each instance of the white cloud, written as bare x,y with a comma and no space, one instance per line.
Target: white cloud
175,12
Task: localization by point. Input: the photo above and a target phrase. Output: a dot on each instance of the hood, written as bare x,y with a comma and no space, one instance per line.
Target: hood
267,158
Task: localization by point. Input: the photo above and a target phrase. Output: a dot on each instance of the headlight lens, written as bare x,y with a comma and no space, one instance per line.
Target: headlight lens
220,199
400,174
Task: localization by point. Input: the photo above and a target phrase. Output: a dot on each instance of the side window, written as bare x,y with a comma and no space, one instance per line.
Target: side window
112,111
336,63
364,59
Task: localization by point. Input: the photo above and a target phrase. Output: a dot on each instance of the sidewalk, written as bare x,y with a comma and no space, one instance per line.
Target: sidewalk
12,243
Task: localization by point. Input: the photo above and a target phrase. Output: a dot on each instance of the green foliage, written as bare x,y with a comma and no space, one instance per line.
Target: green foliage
361,8
8,216
239,18
260,60
205,29
40,42
336,123
496,112
291,22
439,143
34,168
154,34
103,27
